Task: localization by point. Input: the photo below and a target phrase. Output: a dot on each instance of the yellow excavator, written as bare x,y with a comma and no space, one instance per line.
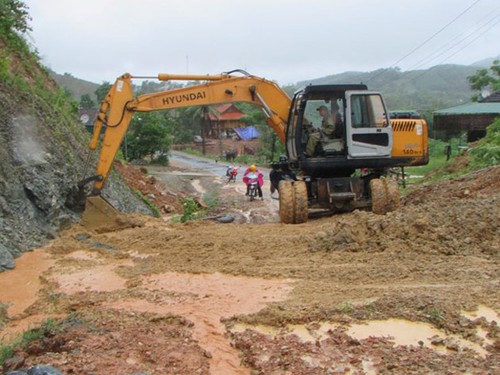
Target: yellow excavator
337,171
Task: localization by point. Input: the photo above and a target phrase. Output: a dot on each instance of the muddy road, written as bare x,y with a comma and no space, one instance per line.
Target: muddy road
412,292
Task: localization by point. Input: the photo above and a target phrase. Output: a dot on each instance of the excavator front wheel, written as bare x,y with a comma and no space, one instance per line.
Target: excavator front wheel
300,202
293,202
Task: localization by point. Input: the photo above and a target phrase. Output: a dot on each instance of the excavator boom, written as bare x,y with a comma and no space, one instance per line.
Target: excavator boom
120,105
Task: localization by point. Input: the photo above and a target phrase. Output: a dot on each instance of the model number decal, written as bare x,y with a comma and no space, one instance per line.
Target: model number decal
410,151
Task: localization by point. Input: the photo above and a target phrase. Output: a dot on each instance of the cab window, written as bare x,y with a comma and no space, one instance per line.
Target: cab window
367,111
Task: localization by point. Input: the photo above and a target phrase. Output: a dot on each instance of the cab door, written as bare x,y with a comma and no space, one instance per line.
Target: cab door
368,127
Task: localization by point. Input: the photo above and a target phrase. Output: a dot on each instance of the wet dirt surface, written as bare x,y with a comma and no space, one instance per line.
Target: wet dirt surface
412,292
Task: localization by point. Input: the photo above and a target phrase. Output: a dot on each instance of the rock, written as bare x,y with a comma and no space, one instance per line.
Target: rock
6,258
44,370
167,209
225,219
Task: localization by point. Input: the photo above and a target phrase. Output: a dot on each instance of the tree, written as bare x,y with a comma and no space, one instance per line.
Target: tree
148,136
14,17
199,115
86,102
102,91
485,79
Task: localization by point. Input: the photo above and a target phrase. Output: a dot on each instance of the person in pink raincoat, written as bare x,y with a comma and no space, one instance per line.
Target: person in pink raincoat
260,179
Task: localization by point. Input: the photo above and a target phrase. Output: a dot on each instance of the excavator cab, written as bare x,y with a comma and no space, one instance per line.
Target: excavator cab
334,129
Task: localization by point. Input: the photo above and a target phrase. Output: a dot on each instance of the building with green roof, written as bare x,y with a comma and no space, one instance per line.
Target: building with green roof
473,118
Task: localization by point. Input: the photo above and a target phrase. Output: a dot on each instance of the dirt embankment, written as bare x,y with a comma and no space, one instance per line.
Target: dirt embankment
411,292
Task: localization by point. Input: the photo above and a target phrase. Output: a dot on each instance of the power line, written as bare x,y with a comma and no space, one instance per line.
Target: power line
436,33
434,55
461,49
472,41
428,39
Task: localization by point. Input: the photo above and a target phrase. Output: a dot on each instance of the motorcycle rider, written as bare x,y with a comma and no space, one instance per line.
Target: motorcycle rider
260,179
231,173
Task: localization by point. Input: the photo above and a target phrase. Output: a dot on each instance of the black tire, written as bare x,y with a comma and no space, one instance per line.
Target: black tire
378,196
300,202
253,193
392,194
286,193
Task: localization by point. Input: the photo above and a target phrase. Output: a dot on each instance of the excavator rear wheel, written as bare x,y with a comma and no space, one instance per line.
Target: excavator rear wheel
286,201
393,195
300,202
379,196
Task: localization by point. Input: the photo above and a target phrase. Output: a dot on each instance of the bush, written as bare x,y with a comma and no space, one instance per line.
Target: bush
487,152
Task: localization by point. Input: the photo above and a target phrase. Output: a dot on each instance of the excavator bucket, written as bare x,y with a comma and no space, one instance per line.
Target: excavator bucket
101,216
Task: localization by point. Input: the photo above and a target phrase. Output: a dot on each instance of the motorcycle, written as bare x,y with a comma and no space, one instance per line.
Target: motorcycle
231,174
253,185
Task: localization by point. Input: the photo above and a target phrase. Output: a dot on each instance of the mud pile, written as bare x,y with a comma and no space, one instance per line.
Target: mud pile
273,298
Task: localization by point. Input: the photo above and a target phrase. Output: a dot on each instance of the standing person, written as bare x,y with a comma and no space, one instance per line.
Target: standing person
281,171
260,178
336,119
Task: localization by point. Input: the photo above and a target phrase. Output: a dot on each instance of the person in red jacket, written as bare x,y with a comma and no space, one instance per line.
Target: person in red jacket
260,178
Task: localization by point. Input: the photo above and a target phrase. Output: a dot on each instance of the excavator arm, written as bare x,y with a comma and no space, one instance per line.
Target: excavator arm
119,106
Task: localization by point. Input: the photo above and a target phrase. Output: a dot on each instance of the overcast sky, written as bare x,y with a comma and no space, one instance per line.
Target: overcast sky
282,40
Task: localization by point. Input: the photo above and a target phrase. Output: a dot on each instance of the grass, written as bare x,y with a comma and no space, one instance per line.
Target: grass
48,327
156,212
441,167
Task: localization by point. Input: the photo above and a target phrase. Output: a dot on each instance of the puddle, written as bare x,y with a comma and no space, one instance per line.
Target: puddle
205,300
101,278
482,312
401,332
19,287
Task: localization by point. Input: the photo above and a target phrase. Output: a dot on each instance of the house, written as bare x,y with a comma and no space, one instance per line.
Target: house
225,119
473,118
87,117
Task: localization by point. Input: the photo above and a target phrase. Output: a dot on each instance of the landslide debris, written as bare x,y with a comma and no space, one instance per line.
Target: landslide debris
42,157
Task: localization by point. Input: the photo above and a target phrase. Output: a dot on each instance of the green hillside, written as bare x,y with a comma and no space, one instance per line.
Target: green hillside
423,90
76,87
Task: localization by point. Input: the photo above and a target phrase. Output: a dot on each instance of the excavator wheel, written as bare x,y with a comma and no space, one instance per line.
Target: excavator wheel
379,196
393,195
285,189
293,202
300,202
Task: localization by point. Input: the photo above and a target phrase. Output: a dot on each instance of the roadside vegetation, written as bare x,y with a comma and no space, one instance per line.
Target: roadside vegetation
27,338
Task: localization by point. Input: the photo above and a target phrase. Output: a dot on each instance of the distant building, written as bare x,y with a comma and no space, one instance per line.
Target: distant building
87,118
473,118
226,119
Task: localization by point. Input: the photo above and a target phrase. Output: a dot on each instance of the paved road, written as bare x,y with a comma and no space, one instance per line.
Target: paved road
198,167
